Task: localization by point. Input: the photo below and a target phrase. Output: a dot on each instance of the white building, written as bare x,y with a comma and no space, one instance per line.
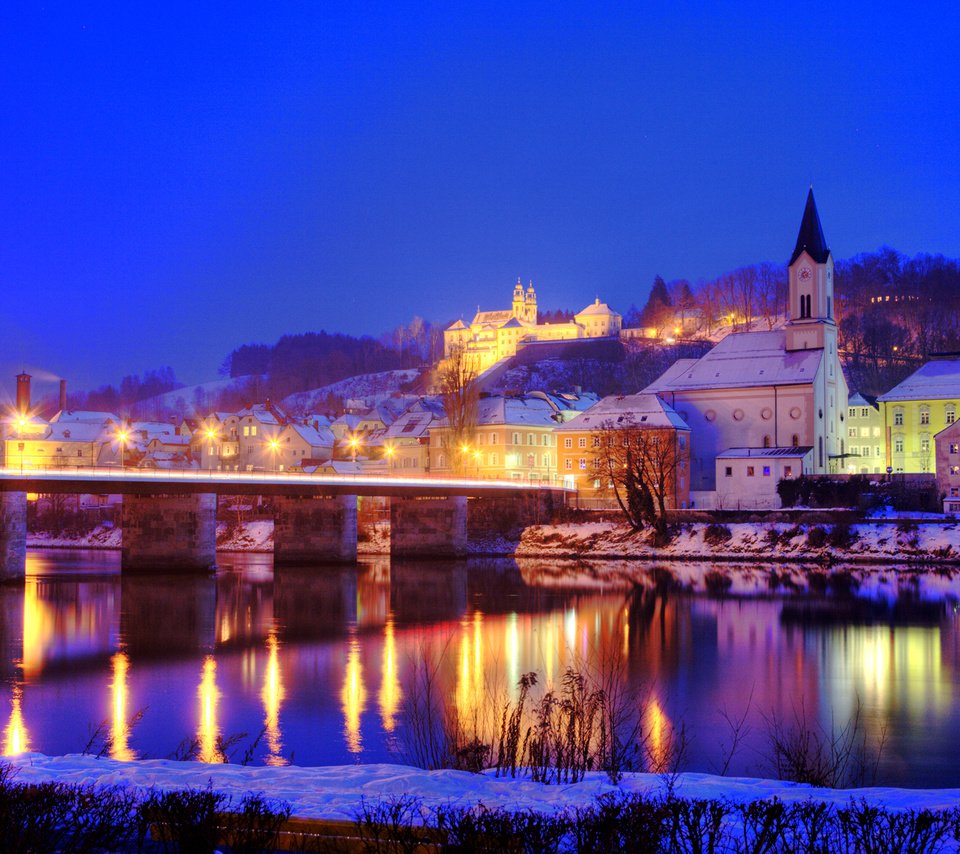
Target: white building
778,389
866,443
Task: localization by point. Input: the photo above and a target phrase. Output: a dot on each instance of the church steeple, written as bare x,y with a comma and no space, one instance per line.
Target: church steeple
810,239
810,308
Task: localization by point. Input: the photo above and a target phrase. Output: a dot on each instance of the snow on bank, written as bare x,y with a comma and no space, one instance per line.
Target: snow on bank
335,792
889,541
101,537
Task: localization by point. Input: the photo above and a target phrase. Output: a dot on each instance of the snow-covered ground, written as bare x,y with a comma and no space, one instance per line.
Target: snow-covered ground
101,537
336,792
883,540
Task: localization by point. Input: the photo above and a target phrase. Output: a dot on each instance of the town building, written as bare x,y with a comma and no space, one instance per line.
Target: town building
495,335
769,389
747,478
916,410
947,443
406,442
580,444
866,441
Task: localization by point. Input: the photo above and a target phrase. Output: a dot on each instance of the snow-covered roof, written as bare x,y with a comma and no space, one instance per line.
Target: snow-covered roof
627,411
512,411
569,401
858,399
170,439
764,453
742,360
598,308
84,416
495,317
322,438
457,325
79,431
936,380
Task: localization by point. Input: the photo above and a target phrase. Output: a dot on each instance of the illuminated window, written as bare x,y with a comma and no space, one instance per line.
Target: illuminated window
766,471
898,445
788,471
898,417
951,413
955,448
852,432
750,471
924,416
925,445
568,464
583,463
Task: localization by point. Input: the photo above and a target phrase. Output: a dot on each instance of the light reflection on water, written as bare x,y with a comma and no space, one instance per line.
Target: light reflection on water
314,665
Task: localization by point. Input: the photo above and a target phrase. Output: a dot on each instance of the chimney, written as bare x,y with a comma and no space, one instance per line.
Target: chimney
63,395
23,393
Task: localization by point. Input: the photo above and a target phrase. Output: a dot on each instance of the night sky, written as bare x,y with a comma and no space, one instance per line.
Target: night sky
184,178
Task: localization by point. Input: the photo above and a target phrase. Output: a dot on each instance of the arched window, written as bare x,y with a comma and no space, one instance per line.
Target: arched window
767,442
795,441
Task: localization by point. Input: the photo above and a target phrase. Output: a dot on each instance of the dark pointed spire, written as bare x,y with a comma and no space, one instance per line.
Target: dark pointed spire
811,236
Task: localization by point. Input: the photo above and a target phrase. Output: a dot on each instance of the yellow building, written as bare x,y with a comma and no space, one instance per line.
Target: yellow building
915,411
495,335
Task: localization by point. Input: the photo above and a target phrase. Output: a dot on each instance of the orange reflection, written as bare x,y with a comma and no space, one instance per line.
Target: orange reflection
658,728
15,737
390,691
120,728
208,733
272,696
353,697
39,629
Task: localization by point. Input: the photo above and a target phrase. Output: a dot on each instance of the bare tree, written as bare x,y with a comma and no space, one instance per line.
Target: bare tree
640,466
456,382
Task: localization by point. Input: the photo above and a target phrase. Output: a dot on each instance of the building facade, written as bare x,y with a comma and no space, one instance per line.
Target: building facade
866,442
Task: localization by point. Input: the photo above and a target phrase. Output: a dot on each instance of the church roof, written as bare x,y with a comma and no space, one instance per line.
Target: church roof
512,323
742,360
494,317
811,239
458,325
597,308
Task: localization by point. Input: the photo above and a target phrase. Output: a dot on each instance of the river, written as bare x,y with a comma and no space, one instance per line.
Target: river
321,665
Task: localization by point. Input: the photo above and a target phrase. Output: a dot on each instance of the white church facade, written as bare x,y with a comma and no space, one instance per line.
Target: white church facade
757,392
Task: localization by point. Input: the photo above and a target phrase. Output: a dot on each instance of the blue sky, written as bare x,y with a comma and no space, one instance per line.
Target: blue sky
179,180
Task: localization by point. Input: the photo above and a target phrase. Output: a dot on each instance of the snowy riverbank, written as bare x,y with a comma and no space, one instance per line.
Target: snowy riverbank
880,541
336,792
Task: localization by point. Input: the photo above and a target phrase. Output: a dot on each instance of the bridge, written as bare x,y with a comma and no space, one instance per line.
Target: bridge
169,516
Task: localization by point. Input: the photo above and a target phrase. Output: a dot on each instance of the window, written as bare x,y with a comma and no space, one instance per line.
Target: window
583,463
852,432
852,412
441,461
955,448
898,417
596,441
494,460
767,442
766,471
750,471
788,471
568,442
924,444
795,441
568,464
493,438
253,429
898,445
865,451
582,442
596,483
246,430
728,471
531,439
865,413
950,413
516,438
924,416
954,469
546,440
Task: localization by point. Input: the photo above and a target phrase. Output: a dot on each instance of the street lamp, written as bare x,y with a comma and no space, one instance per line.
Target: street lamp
275,448
354,443
476,457
122,436
389,450
211,434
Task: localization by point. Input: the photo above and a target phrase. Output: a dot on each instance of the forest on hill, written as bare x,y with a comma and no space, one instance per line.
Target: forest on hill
893,311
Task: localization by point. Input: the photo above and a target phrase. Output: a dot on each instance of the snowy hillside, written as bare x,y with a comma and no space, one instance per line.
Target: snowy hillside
372,388
197,399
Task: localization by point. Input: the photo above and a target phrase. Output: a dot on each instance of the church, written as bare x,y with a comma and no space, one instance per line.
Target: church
495,335
766,405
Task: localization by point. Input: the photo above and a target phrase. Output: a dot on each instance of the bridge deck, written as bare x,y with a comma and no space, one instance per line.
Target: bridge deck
173,481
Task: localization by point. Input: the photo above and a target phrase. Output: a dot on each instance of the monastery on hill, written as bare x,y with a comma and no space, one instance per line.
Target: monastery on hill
495,335
766,405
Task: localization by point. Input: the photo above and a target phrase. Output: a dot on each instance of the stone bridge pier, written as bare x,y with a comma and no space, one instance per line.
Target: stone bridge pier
428,527
311,530
13,535
169,533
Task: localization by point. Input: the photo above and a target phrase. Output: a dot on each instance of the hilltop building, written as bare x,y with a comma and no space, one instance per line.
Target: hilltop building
766,390
495,335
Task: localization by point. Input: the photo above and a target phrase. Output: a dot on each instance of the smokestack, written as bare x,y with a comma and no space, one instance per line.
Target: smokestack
63,395
23,393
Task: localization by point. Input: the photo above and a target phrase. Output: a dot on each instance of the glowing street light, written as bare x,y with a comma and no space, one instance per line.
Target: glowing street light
389,451
211,435
122,437
476,457
354,443
274,445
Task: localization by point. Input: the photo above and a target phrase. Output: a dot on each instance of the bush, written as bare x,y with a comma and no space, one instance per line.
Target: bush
773,538
816,537
842,536
715,534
